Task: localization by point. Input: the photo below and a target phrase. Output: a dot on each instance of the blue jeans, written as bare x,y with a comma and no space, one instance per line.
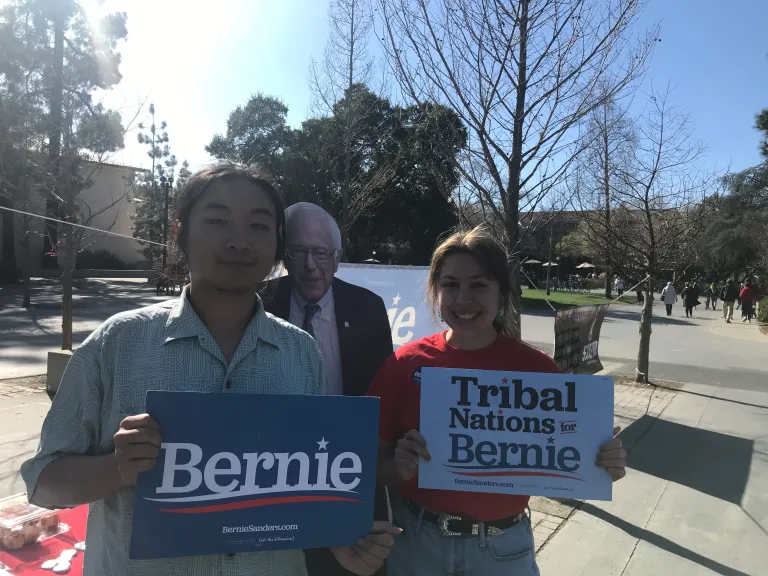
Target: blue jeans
422,551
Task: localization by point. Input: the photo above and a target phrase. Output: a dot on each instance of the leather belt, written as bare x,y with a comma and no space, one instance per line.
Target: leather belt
451,525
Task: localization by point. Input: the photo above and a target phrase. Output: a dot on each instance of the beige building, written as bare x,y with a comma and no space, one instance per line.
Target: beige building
109,205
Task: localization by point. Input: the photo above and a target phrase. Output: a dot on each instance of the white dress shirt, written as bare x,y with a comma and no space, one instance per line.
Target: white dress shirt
326,336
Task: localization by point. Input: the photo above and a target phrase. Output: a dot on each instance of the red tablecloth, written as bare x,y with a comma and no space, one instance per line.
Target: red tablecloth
28,559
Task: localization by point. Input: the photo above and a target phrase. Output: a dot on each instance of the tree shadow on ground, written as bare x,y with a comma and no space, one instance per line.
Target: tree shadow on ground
656,539
713,463
709,462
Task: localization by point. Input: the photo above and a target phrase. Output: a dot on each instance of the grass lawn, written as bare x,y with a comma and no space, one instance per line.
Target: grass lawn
565,299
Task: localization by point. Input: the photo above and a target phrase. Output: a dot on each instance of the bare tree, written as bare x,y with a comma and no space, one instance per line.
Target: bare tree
608,145
347,64
521,75
658,207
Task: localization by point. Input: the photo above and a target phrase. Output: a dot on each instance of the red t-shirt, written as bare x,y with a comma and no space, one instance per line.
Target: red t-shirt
400,408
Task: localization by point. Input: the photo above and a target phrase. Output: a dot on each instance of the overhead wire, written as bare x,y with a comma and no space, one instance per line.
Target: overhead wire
99,230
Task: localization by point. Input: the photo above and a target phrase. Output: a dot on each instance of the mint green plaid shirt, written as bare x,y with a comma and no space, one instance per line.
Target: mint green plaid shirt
165,347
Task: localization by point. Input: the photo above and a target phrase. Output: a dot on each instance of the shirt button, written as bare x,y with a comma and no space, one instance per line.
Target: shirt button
228,384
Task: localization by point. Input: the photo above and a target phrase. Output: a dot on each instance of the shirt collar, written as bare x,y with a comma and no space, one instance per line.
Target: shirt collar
183,322
325,303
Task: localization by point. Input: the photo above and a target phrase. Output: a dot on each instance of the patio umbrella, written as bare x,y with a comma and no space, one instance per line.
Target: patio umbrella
586,265
531,261
549,264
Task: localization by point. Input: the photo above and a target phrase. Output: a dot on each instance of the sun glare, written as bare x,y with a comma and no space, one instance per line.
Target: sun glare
93,10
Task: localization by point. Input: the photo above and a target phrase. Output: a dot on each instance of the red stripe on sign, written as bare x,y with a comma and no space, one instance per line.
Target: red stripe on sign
253,503
551,475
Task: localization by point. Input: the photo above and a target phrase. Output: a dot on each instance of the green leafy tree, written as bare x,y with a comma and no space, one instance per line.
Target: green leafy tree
256,133
402,160
735,241
53,61
761,123
22,129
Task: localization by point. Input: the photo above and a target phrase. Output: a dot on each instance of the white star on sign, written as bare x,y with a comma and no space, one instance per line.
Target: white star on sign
396,299
322,444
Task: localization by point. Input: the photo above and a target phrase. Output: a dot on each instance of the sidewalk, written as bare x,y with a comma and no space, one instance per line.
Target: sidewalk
23,406
694,501
630,404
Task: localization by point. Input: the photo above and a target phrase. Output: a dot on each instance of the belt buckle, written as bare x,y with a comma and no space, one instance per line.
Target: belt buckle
442,525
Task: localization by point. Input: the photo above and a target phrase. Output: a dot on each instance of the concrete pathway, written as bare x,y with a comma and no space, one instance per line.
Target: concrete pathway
22,410
703,349
693,503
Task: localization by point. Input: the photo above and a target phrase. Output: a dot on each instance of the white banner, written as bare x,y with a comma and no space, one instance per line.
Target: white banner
403,289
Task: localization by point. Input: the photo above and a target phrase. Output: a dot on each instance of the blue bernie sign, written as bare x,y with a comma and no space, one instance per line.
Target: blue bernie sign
252,472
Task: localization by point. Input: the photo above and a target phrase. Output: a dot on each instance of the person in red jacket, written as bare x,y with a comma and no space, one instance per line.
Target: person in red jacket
747,297
450,532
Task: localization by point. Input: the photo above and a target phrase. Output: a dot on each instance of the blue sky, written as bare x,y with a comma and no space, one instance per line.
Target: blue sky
197,64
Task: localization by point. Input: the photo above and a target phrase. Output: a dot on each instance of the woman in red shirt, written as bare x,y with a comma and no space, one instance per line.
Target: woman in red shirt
448,532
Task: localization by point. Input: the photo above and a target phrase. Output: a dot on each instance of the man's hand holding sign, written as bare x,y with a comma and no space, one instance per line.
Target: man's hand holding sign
137,445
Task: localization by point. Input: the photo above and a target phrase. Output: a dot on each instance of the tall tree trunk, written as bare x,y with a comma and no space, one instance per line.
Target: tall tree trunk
607,194
9,270
345,195
512,224
644,350
26,254
56,99
68,261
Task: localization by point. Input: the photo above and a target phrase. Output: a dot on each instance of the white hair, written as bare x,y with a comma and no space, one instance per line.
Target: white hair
307,207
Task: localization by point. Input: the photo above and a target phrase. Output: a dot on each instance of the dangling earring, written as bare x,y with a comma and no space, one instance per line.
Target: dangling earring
500,315
439,315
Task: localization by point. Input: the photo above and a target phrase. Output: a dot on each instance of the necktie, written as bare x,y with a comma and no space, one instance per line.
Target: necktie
310,311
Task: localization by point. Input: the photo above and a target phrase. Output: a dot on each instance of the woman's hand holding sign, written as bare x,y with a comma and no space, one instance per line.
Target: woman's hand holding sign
408,450
137,445
613,457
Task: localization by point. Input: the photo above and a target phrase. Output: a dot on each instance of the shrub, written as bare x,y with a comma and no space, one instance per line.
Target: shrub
762,311
594,283
99,260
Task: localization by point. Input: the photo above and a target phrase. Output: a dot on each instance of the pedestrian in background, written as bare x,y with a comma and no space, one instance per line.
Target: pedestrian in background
747,297
715,289
669,296
728,295
690,299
